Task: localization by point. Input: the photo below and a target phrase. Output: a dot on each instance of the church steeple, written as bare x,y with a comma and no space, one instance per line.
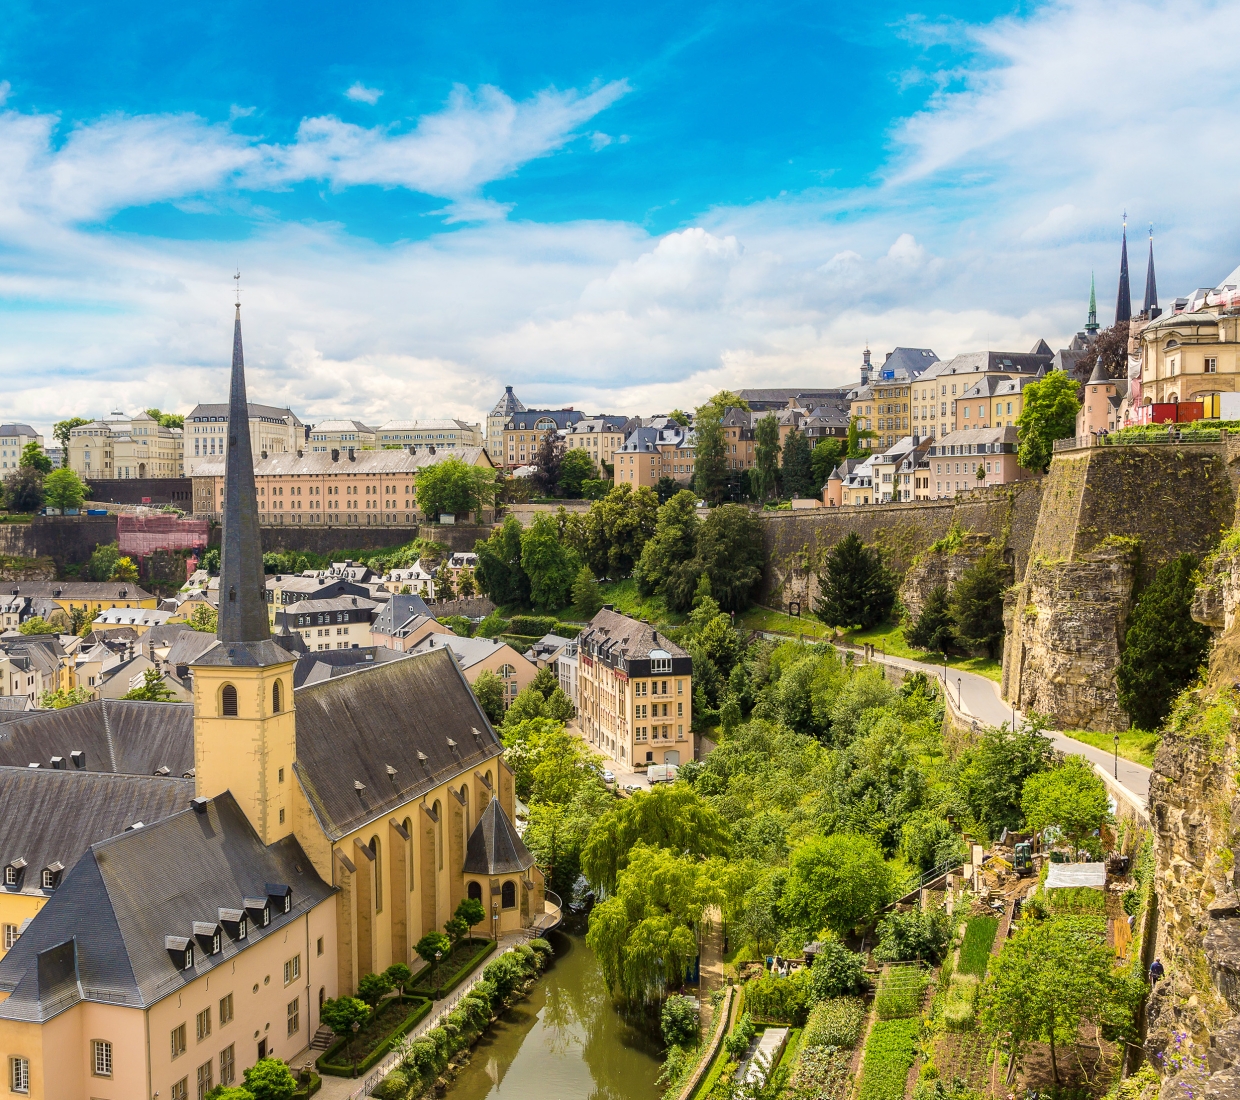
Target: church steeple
1150,306
243,606
1123,300
1091,326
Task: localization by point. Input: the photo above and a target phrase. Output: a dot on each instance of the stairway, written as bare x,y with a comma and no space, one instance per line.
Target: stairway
323,1038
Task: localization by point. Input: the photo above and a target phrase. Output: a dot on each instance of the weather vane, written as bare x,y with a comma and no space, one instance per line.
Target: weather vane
237,286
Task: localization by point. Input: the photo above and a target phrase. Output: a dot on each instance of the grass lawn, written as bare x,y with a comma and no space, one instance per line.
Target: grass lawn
623,595
1135,745
764,618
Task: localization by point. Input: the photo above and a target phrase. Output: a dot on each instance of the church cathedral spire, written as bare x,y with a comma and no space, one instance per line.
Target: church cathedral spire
1123,300
1091,325
1150,305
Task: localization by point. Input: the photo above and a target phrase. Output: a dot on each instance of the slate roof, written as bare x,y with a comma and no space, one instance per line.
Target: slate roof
189,646
101,935
509,403
494,847
525,419
117,735
397,612
76,590
352,728
635,640
17,429
53,816
912,361
256,411
468,651
973,362
313,668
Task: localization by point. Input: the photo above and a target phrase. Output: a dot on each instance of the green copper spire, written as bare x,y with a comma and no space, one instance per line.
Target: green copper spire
1092,324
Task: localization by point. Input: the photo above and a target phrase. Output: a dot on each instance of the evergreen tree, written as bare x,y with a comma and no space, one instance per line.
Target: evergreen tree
855,588
977,603
798,467
765,472
826,457
1164,646
499,573
933,630
1049,413
667,564
587,596
710,463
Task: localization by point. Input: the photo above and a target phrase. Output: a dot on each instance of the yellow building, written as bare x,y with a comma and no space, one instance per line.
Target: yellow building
1190,356
600,437
272,431
89,596
636,692
523,432
443,435
126,447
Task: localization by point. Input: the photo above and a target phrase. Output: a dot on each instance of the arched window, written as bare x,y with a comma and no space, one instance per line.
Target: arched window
508,895
438,832
374,847
228,701
275,698
475,891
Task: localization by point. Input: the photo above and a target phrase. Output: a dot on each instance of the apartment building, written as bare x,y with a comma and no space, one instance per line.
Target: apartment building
508,405
600,437
13,440
973,459
126,447
524,431
272,431
340,622
650,454
340,435
451,435
635,691
336,489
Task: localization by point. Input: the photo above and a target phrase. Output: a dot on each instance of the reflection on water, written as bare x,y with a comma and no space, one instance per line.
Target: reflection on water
564,1042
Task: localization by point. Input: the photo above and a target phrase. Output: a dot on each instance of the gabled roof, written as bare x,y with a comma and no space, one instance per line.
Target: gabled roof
102,935
397,612
116,735
351,729
314,668
468,651
189,646
494,847
54,816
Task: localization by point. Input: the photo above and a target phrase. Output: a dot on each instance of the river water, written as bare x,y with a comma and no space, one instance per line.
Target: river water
564,1042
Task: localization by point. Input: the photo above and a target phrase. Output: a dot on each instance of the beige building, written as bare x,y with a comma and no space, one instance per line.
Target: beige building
272,431
599,437
126,447
1190,356
478,655
450,435
89,596
340,435
505,407
973,459
337,489
652,453
341,622
635,692
523,432
13,440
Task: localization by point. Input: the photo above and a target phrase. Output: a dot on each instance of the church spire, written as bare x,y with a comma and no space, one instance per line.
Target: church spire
243,605
1091,326
1123,300
1150,305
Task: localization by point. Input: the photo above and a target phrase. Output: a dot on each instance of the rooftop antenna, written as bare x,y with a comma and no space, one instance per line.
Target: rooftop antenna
237,287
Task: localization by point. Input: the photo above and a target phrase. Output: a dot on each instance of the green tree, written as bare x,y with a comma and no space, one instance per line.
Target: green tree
499,573
152,689
1049,413
836,882
61,698
710,463
977,604
489,691
557,831
545,681
270,1079
211,561
679,1022
798,469
680,417
549,764
1050,978
730,552
827,455
373,988
587,596
33,457
429,944
550,565
465,586
454,487
103,560
765,474
992,775
926,839
576,468
60,432
341,1013
674,817
616,530
166,420
204,619
456,929
399,975
668,564
36,624
23,491
837,972
855,588
547,461
666,488
471,912
229,1092
1164,647
1071,797
934,629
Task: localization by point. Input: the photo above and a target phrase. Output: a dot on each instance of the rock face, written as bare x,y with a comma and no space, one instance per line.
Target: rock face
1065,633
937,567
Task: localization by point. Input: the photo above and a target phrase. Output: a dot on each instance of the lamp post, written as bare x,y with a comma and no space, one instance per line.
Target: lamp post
958,703
495,922
438,956
356,1026
1117,756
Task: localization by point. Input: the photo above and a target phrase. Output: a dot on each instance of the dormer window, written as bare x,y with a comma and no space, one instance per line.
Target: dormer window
10,875
180,951
51,875
259,910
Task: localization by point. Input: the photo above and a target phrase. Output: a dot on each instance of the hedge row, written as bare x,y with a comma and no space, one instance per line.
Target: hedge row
485,947
325,1064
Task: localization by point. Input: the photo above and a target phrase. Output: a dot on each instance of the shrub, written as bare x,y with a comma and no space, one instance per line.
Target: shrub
837,972
742,1035
916,934
393,1086
784,999
532,625
270,1079
543,949
679,1022
373,987
459,625
835,1023
492,625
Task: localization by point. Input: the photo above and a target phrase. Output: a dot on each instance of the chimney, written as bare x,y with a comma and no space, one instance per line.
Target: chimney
335,455
262,454
352,457
430,448
300,454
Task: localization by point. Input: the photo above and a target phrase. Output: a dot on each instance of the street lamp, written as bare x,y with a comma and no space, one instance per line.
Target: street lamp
1117,756
958,703
495,921
356,1025
438,956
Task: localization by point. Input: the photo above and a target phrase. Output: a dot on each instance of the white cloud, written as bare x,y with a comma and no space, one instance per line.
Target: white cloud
236,111
599,140
359,93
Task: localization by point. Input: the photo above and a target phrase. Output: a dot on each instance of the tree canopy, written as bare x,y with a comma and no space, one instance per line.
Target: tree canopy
766,458
798,467
1049,413
854,588
1070,797
454,487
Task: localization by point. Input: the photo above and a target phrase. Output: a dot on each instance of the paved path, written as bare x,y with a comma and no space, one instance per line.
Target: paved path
711,966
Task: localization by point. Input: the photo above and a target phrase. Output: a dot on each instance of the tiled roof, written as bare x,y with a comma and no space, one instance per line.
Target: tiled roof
401,714
626,637
76,590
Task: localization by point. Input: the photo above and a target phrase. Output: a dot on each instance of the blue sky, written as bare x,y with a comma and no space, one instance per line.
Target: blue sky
623,207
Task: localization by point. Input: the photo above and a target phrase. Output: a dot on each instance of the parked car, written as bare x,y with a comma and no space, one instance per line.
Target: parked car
608,778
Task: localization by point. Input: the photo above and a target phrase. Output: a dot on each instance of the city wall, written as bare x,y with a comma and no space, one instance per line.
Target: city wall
330,541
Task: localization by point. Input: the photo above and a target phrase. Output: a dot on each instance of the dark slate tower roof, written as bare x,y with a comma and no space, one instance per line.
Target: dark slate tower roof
245,637
1150,306
494,847
1123,299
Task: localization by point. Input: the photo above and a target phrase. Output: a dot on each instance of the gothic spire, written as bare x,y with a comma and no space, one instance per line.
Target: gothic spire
1091,326
243,604
1123,300
1150,306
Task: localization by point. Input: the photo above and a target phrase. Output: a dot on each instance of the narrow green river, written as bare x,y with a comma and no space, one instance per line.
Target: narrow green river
564,1042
